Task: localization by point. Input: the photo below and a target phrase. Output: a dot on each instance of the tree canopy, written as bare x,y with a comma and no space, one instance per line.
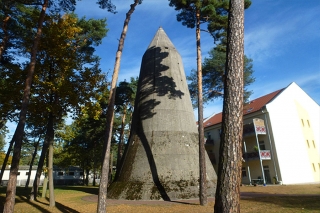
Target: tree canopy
213,76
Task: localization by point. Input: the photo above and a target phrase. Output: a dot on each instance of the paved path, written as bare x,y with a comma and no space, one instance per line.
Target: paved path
94,198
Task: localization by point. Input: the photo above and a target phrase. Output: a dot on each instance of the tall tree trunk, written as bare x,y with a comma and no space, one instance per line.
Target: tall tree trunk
102,199
110,168
229,171
50,162
94,177
202,151
11,188
87,176
45,147
36,145
94,164
6,158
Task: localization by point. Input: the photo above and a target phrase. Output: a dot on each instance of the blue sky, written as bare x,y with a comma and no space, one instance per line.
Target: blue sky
282,37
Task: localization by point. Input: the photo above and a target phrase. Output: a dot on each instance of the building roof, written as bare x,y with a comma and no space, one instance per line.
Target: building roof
251,107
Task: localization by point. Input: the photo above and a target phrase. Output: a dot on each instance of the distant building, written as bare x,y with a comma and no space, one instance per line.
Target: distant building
70,176
22,177
280,138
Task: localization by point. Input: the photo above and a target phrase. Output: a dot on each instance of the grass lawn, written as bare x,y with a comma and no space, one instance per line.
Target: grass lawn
284,199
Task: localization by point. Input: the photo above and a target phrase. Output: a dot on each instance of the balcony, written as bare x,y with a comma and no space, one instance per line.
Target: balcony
264,155
256,127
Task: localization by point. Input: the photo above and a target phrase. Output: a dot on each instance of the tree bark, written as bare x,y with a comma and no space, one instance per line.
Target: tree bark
45,147
50,165
44,186
102,198
32,160
229,170
11,188
202,151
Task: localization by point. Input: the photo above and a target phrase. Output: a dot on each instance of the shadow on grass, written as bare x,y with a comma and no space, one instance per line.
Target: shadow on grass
306,202
64,208
87,189
22,196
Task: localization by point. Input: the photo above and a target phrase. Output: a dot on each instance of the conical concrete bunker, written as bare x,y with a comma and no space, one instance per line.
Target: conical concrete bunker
162,157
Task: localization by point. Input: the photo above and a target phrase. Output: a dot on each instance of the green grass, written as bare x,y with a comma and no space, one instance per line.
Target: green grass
282,199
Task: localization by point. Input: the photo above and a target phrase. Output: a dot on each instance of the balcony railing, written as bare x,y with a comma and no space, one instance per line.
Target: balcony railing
264,155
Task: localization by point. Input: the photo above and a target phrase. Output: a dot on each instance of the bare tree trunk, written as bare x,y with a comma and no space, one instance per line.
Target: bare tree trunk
36,145
6,158
44,186
50,165
120,144
94,165
110,168
102,199
94,177
87,177
50,141
202,151
11,188
45,147
229,171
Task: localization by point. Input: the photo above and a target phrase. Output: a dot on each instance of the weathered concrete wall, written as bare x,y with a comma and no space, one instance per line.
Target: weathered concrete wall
162,159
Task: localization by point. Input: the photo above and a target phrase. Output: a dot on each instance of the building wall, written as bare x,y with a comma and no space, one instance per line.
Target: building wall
294,146
214,132
22,177
285,113
310,143
252,167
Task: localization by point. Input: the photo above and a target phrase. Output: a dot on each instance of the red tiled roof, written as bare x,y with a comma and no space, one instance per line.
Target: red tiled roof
252,106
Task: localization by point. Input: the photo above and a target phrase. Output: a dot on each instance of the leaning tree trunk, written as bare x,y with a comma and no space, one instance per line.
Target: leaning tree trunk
11,188
45,147
229,170
6,158
202,150
36,145
102,199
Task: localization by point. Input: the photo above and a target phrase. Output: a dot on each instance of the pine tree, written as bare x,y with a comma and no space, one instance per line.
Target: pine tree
227,197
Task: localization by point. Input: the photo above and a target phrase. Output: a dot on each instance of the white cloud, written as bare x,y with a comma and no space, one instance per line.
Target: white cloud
266,38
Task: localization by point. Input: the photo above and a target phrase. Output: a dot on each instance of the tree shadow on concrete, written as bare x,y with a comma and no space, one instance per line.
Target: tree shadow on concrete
153,83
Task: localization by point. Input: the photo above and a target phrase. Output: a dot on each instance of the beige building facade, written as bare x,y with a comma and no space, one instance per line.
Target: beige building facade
280,138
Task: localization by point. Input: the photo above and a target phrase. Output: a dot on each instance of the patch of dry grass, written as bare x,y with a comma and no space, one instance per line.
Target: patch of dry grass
292,198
